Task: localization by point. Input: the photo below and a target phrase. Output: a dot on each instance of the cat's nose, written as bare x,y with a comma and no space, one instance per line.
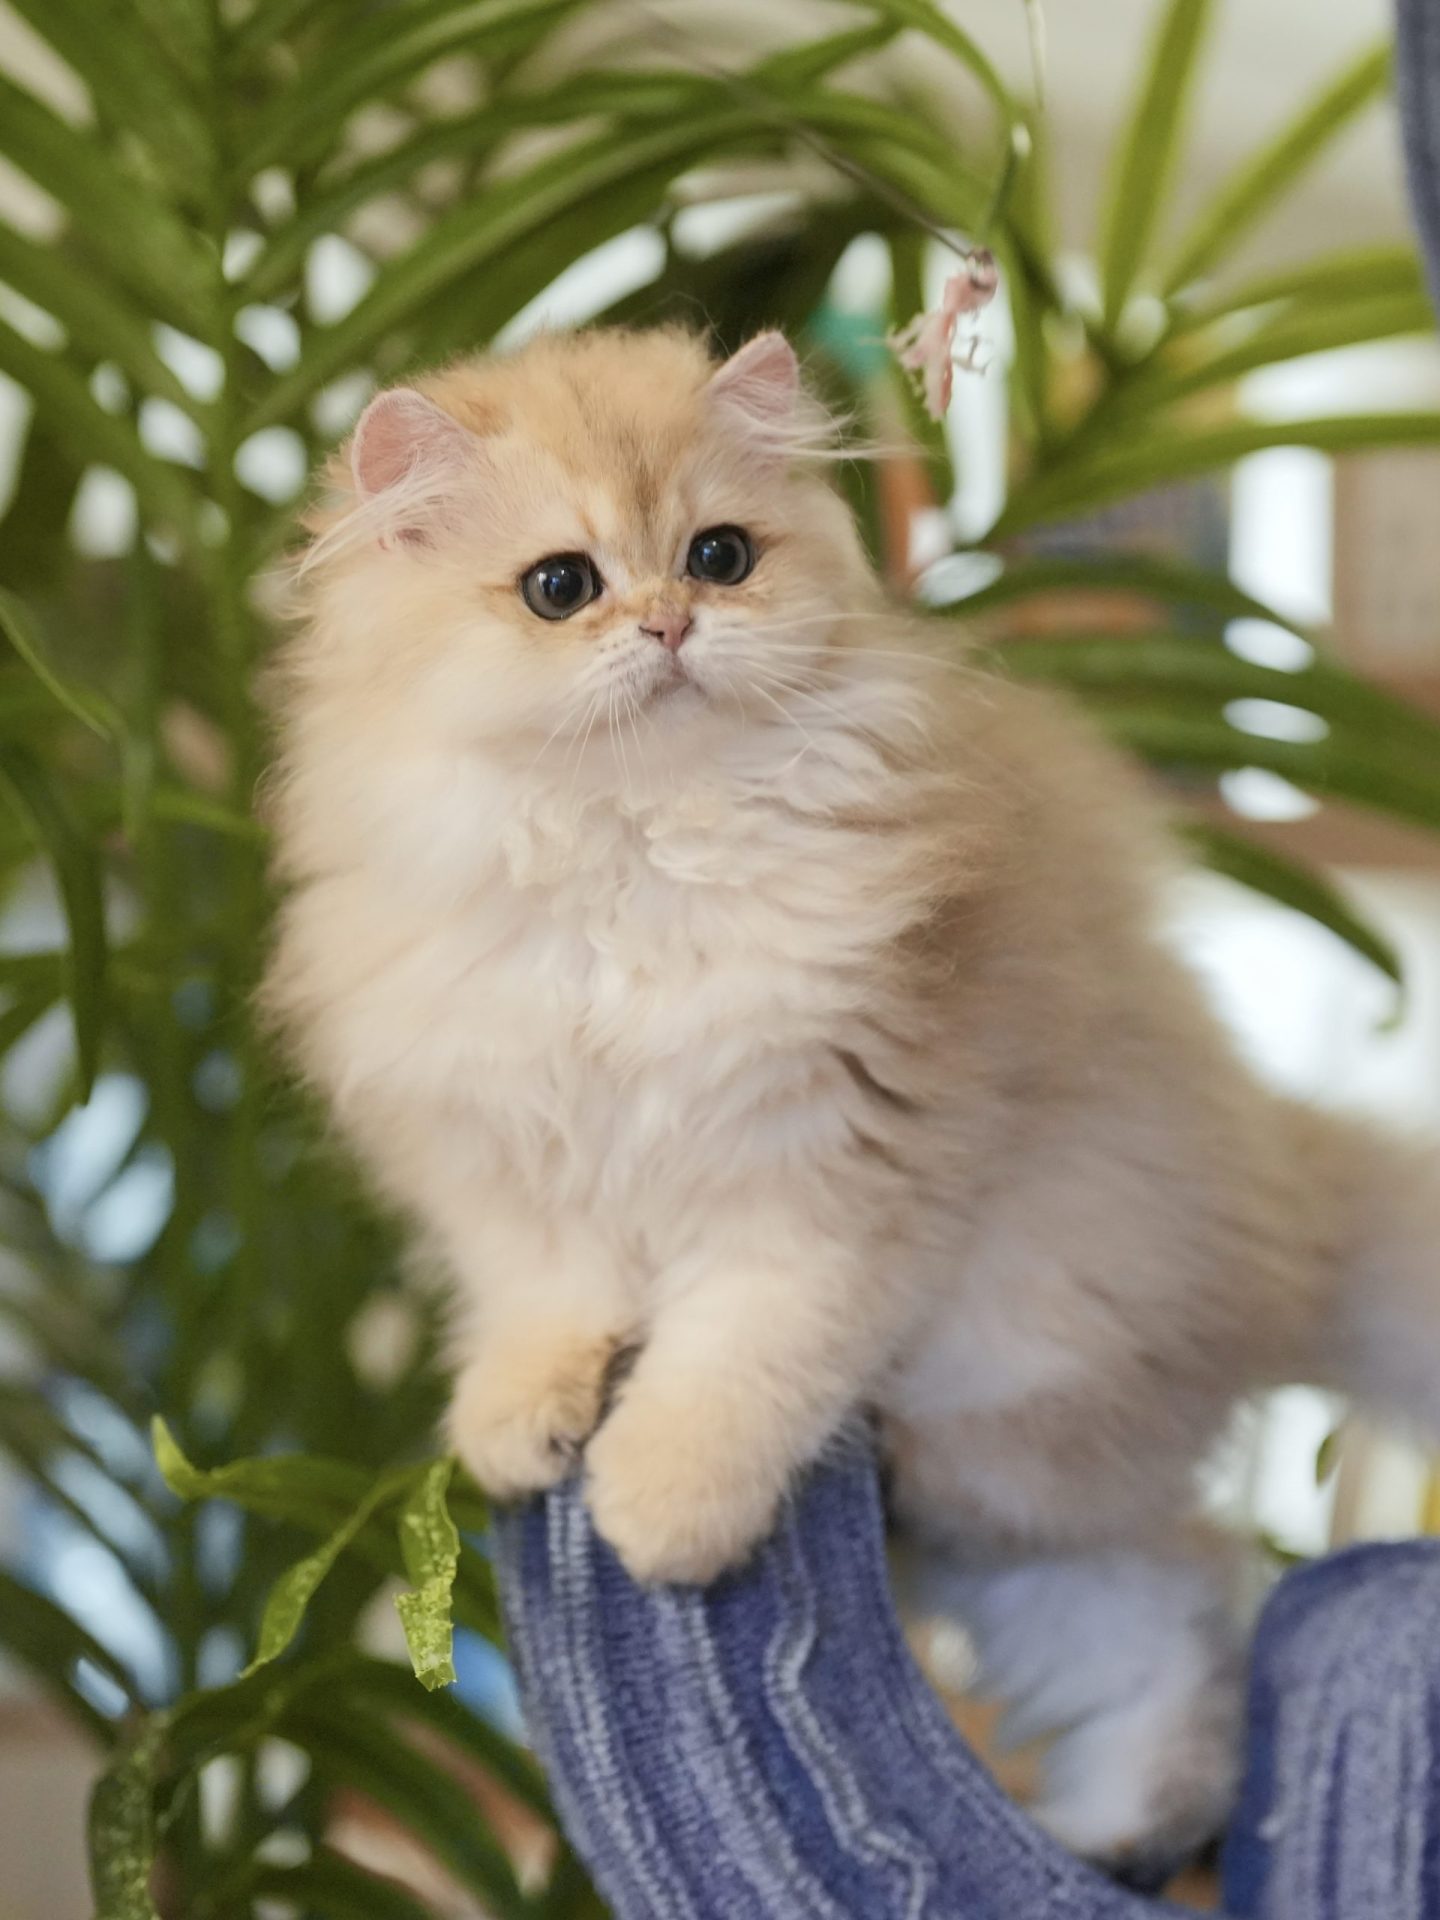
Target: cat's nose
668,627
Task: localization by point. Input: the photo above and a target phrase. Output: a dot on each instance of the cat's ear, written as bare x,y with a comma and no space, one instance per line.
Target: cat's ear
407,448
400,435
760,385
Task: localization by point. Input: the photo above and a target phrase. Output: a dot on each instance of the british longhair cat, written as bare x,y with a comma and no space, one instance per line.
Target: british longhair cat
711,971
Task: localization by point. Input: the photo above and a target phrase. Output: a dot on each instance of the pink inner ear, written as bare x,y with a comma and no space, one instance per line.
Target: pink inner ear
761,381
401,433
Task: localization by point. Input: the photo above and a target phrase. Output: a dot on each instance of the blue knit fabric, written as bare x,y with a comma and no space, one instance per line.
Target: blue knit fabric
1339,1818
1417,88
765,1749
768,1750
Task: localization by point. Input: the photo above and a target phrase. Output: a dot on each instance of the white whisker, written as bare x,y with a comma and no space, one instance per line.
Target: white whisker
594,711
847,721
615,734
548,740
790,719
896,654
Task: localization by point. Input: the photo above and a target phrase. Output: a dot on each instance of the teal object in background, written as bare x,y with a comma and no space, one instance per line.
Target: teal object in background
854,339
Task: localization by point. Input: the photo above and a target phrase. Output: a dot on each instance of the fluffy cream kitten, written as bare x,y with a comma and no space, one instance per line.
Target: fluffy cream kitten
709,971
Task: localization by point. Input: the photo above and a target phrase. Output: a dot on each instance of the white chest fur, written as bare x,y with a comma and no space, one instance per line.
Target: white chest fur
596,994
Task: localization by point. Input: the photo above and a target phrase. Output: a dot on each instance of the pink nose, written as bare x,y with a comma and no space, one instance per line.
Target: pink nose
668,628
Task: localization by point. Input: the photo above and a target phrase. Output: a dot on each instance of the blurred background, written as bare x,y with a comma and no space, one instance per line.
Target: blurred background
1194,477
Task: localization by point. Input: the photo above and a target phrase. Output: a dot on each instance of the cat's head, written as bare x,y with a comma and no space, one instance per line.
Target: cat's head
599,526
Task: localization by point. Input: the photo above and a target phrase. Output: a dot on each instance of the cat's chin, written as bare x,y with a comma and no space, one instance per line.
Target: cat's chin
675,691
677,696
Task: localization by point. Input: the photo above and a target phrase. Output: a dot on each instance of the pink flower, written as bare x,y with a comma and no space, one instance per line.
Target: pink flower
925,346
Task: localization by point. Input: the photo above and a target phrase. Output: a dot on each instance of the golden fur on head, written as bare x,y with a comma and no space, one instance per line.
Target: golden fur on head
616,445
781,1000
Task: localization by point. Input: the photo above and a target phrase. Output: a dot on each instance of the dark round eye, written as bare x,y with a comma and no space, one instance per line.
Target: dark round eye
723,555
560,586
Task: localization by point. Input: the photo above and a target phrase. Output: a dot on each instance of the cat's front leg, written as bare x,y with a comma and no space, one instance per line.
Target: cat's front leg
757,1350
544,1317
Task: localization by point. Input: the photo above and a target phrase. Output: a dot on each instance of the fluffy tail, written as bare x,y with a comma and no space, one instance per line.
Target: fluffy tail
1377,1213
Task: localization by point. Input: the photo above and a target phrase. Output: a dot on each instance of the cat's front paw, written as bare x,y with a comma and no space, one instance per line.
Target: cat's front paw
676,1492
523,1410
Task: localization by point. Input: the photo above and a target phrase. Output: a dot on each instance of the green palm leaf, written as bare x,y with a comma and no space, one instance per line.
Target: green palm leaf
1146,160
77,874
330,1883
1164,583
1333,279
53,1648
1317,326
367,1755
1347,769
64,402
1255,187
1291,885
104,324
132,77
1198,672
380,56
1167,454
119,218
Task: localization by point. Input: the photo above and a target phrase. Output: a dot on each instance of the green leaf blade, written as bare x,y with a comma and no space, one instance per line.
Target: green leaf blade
77,875
1300,888
1186,670
1318,326
62,398
121,1831
140,239
1172,452
1353,273
92,710
1357,771
50,1645
938,27
131,78
285,1486
373,1756
381,54
329,1883
1259,182
1164,583
430,1545
292,1593
1146,159
321,1495
95,316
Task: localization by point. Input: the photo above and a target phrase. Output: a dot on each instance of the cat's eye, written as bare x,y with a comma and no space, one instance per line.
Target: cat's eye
557,587
722,555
